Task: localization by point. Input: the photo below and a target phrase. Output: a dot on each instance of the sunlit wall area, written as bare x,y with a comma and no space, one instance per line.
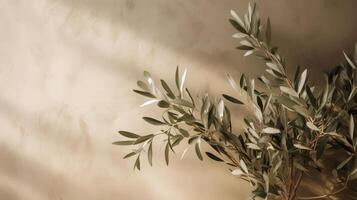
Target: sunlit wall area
68,67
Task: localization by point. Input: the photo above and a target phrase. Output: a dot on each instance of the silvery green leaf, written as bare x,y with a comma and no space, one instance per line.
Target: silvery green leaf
253,146
273,66
167,151
236,25
137,163
124,142
163,104
302,81
237,172
300,146
246,43
232,82
325,94
311,97
128,134
289,91
237,18
129,155
351,127
257,112
177,78
268,32
220,110
239,35
143,85
184,132
349,61
243,166
150,154
147,94
352,94
312,126
213,157
143,138
250,52
167,89
149,102
247,22
270,130
153,121
198,151
266,181
232,99
182,80
267,102
183,102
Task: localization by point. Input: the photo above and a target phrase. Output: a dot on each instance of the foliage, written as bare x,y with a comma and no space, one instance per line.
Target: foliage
292,128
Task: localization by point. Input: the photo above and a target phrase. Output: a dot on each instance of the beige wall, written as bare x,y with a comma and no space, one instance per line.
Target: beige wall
67,68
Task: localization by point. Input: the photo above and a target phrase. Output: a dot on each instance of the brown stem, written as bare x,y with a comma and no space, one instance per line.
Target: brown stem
291,173
296,186
326,195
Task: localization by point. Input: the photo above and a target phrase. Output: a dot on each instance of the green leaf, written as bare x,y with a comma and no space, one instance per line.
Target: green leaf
302,81
245,48
312,126
143,85
237,18
289,91
137,163
182,80
274,67
299,146
184,132
349,61
129,155
311,97
270,130
253,146
183,102
167,89
128,134
198,151
243,166
153,121
237,26
124,142
143,138
268,32
163,104
351,127
237,172
177,78
167,151
232,99
147,94
213,157
150,153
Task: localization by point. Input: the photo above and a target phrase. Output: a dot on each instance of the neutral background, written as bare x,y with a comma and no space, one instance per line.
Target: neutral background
67,68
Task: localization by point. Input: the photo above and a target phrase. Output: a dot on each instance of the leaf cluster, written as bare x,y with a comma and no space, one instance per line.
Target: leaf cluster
293,125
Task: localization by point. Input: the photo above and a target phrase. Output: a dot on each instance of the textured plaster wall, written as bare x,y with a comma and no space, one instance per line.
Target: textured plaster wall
67,68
